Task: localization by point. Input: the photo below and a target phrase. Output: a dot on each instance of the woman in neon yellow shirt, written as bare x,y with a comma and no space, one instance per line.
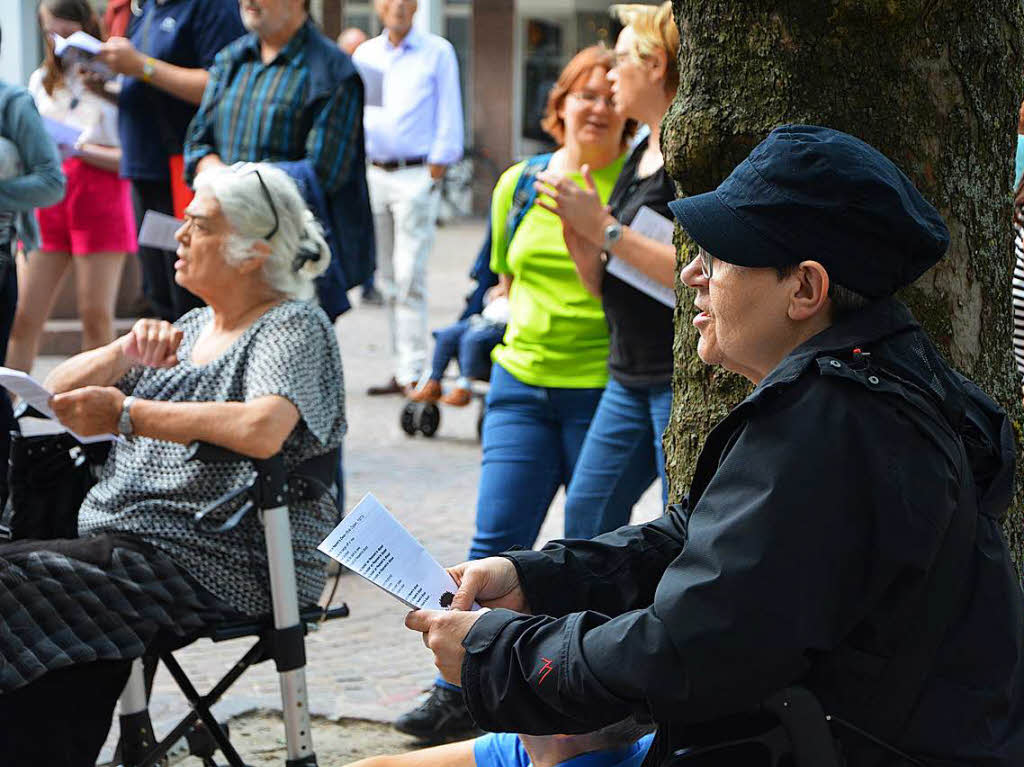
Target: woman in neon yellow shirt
552,366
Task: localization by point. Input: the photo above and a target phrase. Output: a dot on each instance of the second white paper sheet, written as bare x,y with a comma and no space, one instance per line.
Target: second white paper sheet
371,542
650,224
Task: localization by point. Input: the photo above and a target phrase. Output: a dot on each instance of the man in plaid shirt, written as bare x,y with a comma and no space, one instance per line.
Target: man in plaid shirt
285,94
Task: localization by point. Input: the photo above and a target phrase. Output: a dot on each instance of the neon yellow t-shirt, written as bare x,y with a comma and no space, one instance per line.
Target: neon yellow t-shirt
557,335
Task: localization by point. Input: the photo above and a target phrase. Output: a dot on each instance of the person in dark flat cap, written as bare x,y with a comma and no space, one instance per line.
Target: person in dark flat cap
842,530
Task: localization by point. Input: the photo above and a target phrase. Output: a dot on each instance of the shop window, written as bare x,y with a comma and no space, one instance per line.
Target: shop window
457,30
542,62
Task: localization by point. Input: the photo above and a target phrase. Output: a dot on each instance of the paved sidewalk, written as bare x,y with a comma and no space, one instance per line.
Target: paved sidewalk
368,666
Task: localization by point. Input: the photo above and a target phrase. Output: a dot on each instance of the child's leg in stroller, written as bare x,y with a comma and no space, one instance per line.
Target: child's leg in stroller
474,360
62,718
446,346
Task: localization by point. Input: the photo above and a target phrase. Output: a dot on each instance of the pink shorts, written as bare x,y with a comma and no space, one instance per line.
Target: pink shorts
95,215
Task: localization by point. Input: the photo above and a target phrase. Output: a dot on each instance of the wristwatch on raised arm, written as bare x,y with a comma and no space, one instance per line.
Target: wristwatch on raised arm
612,234
124,423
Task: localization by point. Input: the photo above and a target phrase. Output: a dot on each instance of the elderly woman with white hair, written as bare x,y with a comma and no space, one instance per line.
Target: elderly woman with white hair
256,371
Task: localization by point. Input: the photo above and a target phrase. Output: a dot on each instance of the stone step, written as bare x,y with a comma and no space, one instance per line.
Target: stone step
63,337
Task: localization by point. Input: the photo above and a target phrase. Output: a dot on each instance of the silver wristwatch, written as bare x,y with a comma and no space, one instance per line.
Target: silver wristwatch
124,423
612,234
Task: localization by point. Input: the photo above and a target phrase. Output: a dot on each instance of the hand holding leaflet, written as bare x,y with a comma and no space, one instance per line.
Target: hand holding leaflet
371,542
81,48
33,392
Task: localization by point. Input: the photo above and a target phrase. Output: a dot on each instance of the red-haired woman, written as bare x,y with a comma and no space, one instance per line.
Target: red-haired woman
552,366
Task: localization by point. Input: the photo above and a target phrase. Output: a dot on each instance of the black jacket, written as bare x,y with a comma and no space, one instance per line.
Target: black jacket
817,508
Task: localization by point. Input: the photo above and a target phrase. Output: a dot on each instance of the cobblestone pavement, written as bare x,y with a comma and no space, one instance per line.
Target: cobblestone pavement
369,666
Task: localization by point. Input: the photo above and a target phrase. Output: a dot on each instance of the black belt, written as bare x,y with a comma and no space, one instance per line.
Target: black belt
410,162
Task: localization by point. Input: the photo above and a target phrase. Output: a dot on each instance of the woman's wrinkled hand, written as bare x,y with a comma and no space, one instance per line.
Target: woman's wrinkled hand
89,410
581,209
153,343
490,582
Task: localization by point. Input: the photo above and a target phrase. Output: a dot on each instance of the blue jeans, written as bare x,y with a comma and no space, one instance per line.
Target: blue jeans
531,439
471,342
620,458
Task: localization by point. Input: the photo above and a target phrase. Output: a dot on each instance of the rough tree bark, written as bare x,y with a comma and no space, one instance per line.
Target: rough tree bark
934,85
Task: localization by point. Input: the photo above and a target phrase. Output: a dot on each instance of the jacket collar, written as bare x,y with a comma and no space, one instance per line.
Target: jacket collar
880,319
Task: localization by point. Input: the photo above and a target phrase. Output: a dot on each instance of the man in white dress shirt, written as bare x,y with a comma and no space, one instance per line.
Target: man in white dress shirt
410,140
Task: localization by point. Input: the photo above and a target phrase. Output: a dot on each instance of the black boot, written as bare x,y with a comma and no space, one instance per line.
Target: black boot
442,716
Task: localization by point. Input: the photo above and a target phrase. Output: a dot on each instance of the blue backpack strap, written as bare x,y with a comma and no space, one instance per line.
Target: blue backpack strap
524,194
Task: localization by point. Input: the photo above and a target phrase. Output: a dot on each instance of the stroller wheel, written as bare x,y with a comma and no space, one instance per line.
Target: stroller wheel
429,418
408,418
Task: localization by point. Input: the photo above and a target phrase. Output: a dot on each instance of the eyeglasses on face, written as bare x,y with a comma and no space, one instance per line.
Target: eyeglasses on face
592,99
707,263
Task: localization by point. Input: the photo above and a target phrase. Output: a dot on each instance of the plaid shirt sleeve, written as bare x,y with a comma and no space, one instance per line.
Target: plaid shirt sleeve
332,142
199,140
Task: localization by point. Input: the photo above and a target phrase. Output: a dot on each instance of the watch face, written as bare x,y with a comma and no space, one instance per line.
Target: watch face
612,234
124,423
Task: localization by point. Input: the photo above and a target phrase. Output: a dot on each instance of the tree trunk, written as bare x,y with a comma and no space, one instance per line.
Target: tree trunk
935,86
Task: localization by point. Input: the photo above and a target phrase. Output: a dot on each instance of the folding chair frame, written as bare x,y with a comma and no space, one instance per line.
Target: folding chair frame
283,639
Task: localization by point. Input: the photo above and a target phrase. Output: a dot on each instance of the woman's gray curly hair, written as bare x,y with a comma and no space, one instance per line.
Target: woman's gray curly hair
298,251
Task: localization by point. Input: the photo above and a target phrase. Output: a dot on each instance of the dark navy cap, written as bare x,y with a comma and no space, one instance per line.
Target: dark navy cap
808,193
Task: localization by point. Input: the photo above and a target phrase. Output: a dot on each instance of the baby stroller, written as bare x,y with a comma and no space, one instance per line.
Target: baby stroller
423,415
473,338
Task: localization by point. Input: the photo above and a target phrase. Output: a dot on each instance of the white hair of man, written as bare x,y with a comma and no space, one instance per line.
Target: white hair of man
298,251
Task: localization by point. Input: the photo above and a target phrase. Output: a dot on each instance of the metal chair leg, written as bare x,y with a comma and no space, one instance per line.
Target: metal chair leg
137,736
289,638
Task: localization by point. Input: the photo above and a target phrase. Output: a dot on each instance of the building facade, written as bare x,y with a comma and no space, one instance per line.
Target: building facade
510,53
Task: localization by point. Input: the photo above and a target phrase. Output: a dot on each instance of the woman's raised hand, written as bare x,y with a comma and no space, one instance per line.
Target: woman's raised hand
580,208
153,343
491,582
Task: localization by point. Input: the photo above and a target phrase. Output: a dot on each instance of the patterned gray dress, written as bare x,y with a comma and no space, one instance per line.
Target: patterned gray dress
140,576
149,489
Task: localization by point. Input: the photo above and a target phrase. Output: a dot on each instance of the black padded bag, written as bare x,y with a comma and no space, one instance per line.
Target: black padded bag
49,477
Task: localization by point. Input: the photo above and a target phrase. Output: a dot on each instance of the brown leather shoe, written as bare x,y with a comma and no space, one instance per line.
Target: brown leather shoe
457,397
391,387
429,392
